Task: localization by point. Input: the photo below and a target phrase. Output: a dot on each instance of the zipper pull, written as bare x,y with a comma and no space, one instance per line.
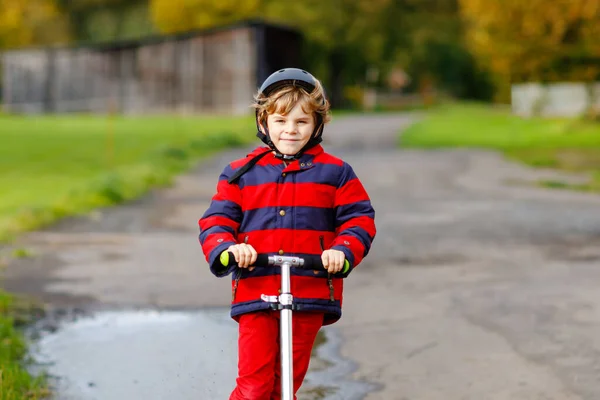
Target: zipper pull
235,284
331,298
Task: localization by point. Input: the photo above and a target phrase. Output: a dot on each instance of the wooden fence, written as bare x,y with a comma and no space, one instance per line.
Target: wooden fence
214,71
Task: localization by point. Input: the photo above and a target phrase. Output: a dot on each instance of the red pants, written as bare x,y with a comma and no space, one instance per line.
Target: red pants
259,368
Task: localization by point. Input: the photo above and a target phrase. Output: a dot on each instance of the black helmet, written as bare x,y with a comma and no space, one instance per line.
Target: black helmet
290,77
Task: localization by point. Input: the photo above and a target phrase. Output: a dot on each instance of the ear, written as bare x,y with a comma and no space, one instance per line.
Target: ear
262,125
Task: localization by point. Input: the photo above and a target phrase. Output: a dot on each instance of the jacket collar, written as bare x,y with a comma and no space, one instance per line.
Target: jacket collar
306,160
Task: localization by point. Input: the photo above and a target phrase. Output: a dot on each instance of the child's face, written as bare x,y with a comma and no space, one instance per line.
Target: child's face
291,132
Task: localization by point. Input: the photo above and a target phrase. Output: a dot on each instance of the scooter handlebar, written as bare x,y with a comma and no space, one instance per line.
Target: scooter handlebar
312,262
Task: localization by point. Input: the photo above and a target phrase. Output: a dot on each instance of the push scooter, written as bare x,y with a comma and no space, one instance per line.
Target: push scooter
285,303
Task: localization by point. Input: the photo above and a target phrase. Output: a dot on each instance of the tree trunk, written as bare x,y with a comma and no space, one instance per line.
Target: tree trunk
336,78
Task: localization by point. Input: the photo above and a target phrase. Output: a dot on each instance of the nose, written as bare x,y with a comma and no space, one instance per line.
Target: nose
291,128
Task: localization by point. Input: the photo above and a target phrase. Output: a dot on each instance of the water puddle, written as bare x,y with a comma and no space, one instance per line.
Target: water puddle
149,354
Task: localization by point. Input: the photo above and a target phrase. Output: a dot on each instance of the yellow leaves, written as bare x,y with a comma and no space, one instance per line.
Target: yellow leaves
11,19
524,40
27,22
182,15
171,15
591,8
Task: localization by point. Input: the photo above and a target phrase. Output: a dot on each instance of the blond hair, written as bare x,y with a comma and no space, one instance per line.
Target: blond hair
282,101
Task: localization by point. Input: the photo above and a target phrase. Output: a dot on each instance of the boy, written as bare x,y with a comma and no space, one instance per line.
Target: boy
290,198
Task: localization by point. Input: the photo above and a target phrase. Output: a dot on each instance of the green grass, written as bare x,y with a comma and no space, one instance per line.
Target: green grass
51,167
560,143
15,381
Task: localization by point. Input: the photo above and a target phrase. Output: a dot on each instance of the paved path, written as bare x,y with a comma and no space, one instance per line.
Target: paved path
478,286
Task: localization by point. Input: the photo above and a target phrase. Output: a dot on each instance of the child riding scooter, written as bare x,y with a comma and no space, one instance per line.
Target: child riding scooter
292,201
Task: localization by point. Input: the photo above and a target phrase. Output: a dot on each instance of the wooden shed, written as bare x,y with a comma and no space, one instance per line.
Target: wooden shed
210,71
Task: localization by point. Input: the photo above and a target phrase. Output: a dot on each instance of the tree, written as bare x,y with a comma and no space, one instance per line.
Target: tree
182,15
346,34
535,39
31,22
105,20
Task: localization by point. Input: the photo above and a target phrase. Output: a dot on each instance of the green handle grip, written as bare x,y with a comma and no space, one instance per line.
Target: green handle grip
346,266
224,258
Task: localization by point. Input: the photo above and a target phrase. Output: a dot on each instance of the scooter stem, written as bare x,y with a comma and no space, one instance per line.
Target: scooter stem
287,365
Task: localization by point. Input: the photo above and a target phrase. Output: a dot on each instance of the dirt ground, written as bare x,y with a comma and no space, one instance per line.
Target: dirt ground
478,286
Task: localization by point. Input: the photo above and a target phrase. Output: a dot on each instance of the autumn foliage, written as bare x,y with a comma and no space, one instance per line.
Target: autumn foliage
515,40
534,40
31,22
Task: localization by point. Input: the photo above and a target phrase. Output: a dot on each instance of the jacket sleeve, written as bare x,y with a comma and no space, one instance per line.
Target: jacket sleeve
220,223
355,218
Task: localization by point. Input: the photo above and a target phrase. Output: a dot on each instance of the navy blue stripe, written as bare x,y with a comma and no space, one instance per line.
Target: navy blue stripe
309,218
249,306
359,233
347,175
215,263
353,210
227,173
332,310
326,174
261,174
317,302
215,229
224,208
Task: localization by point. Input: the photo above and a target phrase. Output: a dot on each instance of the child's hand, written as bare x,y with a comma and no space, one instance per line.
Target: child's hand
333,260
244,254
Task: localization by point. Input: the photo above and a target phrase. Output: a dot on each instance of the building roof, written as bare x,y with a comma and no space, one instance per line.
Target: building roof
161,38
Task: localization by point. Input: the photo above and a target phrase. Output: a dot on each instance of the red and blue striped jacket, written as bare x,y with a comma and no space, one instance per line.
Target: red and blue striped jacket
314,203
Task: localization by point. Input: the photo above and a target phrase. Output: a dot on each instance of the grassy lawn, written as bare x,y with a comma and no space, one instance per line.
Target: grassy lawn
51,167
15,382
566,144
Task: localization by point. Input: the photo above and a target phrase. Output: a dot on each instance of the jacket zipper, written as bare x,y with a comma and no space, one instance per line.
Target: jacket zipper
329,279
235,284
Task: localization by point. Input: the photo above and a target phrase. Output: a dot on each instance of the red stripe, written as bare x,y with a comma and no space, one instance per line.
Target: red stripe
315,288
288,240
241,162
306,287
259,150
355,246
363,222
352,192
325,158
217,221
270,160
252,288
274,194
227,191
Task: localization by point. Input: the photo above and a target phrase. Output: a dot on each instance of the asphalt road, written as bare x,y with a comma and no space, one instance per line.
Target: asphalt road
479,285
